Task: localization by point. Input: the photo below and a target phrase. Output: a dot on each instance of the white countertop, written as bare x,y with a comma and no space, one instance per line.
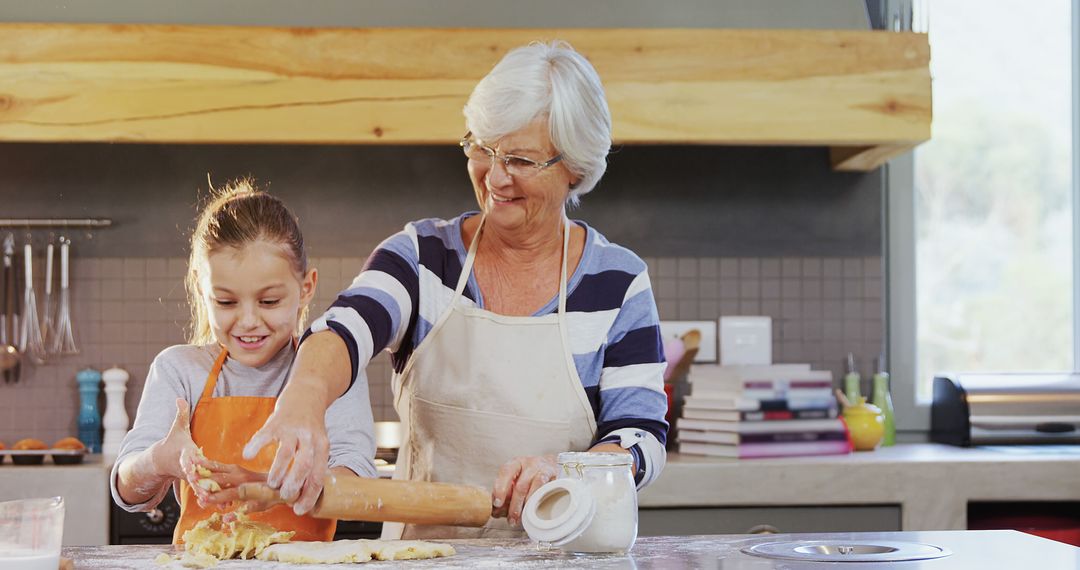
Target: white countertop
967,549
933,483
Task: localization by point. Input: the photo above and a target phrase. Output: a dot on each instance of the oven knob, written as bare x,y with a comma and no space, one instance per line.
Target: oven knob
155,516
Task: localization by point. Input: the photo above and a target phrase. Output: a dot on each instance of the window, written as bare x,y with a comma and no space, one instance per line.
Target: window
993,213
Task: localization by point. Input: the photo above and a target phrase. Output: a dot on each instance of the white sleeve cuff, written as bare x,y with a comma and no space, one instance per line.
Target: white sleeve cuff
654,454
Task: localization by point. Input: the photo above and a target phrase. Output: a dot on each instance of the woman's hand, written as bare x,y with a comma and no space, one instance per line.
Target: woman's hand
517,480
299,428
320,374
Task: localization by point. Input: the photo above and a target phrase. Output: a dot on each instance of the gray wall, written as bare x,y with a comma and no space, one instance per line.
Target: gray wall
659,201
725,231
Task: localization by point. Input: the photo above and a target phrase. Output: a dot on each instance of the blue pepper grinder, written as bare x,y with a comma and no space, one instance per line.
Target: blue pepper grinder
89,416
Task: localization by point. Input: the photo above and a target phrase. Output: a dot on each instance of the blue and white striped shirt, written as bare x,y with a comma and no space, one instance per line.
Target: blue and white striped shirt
612,322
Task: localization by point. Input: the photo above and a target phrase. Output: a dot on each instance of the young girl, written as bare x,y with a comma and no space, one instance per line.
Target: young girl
248,285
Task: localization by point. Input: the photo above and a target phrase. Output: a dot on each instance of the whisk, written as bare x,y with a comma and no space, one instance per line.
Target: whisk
30,342
48,304
63,339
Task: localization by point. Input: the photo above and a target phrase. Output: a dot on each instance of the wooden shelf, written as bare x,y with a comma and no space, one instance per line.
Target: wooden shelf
867,94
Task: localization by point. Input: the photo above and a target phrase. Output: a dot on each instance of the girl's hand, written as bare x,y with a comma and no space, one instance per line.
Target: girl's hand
230,477
172,456
517,480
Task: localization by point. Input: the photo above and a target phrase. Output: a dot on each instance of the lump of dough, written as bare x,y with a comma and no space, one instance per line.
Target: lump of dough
235,538
205,482
209,485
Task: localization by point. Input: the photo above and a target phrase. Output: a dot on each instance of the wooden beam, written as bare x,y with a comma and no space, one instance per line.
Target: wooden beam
864,158
211,84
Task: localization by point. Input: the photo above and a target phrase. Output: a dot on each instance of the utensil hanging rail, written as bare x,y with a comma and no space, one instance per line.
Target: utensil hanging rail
55,222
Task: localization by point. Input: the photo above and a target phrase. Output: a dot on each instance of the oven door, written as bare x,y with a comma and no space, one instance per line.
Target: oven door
156,526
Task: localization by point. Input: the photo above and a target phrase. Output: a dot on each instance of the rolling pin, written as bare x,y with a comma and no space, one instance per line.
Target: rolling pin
385,500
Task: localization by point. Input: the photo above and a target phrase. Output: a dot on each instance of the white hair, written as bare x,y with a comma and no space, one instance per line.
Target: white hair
552,80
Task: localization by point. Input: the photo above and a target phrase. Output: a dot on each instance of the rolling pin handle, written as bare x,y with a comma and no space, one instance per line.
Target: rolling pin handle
258,492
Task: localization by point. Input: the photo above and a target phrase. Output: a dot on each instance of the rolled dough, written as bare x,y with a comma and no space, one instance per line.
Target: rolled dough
354,551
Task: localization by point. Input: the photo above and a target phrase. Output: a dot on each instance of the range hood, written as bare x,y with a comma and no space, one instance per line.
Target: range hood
864,94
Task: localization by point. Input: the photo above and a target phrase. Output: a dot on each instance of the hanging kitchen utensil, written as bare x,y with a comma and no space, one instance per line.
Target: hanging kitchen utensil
63,339
9,355
48,304
16,312
30,342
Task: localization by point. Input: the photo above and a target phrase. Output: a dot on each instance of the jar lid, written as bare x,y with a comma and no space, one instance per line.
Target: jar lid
559,511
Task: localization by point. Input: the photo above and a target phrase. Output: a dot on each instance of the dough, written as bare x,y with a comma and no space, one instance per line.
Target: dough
209,485
339,551
232,536
354,551
409,550
205,481
186,560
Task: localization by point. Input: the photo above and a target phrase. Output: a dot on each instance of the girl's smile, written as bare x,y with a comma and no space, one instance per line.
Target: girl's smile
254,300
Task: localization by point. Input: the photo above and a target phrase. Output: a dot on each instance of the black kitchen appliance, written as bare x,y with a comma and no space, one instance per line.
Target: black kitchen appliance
1006,408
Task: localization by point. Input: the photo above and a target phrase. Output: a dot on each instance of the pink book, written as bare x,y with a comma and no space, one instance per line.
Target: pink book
772,449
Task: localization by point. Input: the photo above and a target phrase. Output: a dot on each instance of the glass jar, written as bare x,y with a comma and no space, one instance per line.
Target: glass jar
609,478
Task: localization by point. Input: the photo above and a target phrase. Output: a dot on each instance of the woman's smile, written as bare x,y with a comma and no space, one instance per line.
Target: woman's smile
501,201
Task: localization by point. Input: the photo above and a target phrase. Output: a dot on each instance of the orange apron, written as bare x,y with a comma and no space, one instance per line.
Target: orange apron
221,427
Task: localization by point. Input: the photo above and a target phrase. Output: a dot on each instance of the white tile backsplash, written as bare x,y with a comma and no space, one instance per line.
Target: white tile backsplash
126,310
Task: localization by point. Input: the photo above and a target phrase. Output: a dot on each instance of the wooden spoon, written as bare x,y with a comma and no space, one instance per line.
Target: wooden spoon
692,343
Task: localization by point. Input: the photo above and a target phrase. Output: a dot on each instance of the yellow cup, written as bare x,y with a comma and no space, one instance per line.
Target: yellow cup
866,423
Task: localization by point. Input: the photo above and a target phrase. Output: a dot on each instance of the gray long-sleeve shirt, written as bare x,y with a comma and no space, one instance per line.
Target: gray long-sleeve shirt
181,372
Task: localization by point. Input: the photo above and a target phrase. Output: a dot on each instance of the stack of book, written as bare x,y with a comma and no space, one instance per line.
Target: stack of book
773,410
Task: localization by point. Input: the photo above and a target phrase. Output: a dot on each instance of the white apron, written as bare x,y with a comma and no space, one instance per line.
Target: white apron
484,388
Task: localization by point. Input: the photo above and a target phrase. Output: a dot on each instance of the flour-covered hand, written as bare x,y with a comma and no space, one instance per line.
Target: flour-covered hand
171,456
517,480
300,464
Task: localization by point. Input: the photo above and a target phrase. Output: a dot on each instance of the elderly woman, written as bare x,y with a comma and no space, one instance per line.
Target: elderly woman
516,333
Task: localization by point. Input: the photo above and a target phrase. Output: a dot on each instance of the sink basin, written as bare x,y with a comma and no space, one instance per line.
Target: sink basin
847,550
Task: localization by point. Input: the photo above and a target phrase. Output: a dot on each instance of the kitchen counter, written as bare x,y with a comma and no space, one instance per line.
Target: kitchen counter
932,483
970,549
84,487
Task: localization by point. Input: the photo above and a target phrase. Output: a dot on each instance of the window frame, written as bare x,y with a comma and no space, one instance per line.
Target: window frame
898,204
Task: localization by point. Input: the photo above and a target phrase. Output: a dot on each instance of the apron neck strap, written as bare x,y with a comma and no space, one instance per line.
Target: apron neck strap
211,380
563,277
466,269
470,257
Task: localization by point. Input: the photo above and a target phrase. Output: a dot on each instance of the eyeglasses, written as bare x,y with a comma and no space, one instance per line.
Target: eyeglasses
516,166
